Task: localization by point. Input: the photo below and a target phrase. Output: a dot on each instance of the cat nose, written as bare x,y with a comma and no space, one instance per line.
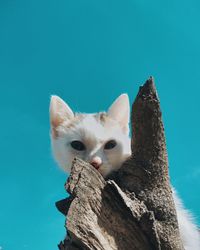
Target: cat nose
96,162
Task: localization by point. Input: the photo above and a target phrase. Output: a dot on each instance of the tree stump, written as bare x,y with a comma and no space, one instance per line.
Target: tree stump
133,208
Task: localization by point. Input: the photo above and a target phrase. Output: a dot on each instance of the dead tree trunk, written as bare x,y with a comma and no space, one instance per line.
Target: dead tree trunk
134,208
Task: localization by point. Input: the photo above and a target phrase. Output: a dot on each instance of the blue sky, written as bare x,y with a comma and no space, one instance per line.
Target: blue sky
88,52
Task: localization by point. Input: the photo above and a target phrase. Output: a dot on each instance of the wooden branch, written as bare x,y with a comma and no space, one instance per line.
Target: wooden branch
134,208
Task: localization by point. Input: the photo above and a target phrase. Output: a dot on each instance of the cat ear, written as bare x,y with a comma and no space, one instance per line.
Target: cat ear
59,111
120,111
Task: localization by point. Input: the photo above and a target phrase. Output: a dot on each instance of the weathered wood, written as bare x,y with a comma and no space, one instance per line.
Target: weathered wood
101,216
135,209
146,172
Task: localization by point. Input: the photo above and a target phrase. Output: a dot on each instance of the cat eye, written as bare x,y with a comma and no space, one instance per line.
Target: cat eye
78,145
110,144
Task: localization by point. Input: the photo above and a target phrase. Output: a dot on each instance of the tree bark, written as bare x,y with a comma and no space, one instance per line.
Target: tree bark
133,208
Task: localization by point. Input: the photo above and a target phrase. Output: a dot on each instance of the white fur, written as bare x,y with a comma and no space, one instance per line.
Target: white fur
94,135
121,104
188,229
59,110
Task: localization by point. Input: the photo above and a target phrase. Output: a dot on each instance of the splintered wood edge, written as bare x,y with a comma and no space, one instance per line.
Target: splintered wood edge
93,196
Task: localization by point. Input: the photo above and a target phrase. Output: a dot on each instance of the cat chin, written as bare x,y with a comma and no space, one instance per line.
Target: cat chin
105,170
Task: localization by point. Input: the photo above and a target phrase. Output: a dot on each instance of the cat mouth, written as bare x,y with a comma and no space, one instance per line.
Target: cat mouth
96,167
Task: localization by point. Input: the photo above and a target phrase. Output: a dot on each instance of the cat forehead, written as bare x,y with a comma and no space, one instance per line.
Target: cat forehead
98,126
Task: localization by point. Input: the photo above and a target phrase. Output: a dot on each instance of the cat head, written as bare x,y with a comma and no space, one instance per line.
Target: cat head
100,138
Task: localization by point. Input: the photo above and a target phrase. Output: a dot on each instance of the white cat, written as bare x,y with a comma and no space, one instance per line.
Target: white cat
102,140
